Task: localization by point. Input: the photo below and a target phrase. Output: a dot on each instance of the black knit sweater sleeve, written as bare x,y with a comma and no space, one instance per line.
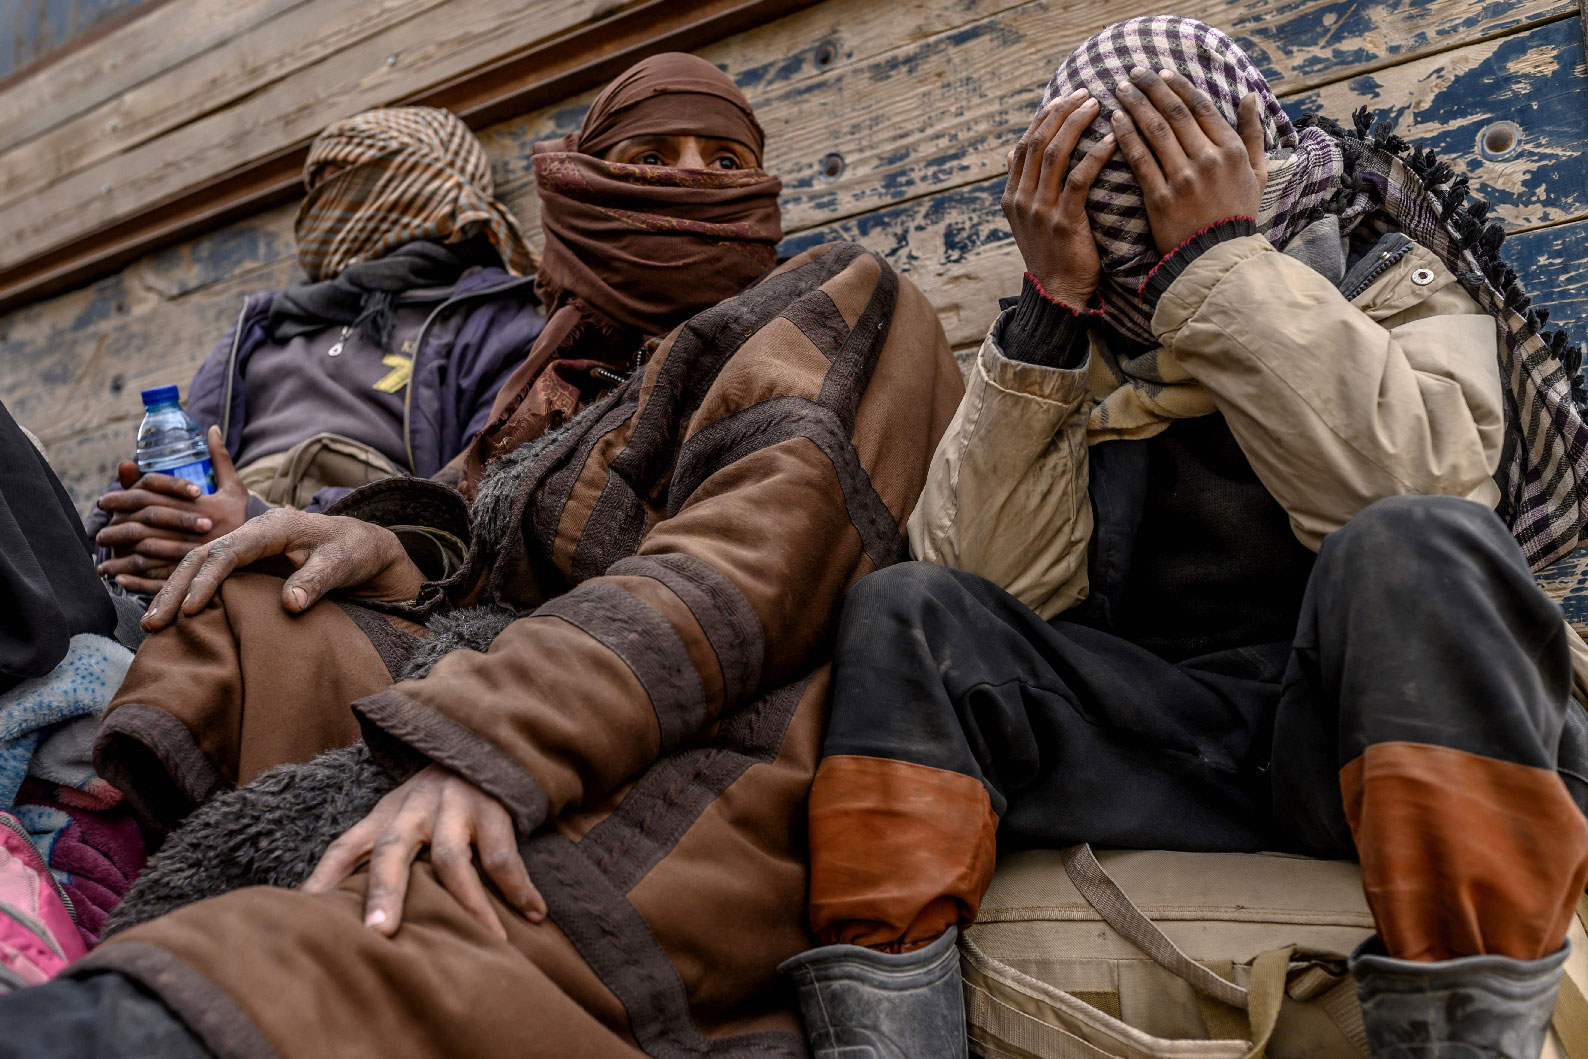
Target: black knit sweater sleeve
1179,259
1042,330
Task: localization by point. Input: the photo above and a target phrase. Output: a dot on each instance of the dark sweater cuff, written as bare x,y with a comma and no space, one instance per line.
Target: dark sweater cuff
1043,330
256,506
1179,259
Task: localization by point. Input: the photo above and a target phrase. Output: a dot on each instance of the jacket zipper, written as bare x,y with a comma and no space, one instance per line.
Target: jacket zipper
231,372
12,824
1386,259
419,346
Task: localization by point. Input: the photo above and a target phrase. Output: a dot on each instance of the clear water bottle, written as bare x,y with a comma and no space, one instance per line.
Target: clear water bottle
170,442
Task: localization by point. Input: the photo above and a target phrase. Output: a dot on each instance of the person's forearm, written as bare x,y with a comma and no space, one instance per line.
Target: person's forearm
1006,495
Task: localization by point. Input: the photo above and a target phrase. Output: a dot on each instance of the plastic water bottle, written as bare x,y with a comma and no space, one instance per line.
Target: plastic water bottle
170,442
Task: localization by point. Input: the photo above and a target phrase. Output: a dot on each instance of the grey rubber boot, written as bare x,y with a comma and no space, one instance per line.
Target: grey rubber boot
1476,1007
862,1004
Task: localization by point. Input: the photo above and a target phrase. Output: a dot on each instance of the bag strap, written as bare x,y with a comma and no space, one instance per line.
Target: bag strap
1010,1015
1570,1020
1265,996
1119,912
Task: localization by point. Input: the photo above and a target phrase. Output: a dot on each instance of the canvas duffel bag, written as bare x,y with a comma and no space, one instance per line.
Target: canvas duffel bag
1146,954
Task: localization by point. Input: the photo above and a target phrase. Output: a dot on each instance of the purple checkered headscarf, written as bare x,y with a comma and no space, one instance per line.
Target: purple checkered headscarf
1303,167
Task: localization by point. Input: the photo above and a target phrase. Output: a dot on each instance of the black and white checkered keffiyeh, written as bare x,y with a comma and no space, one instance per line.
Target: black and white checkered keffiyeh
1373,180
1304,166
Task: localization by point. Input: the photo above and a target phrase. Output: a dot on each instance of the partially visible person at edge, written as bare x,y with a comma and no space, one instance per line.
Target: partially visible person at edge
615,704
419,301
65,645
1214,564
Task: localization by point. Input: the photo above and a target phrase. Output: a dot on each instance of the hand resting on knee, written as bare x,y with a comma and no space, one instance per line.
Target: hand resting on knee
446,812
331,552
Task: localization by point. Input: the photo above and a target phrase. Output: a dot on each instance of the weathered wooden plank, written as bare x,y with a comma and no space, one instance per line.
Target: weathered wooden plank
1566,582
62,358
981,81
1553,264
270,52
423,51
150,172
1453,102
1309,43
954,245
35,29
957,247
165,37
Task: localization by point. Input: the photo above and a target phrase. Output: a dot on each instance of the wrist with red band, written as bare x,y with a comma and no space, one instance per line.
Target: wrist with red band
1043,330
1094,306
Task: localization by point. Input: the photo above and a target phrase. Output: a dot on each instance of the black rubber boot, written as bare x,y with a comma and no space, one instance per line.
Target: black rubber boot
1476,1007
862,1004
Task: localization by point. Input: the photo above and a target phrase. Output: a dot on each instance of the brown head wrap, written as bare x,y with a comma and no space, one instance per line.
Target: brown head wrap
632,251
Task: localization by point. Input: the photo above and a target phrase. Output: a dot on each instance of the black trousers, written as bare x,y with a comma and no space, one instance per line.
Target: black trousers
104,1016
1421,629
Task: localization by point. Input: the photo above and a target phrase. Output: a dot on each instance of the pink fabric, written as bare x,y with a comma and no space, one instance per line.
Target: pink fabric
37,935
96,853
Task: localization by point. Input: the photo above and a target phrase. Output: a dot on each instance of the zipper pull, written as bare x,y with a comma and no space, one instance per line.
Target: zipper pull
341,340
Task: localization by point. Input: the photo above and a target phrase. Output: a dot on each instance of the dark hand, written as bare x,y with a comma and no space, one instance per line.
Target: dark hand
442,810
157,519
1045,200
1194,169
330,552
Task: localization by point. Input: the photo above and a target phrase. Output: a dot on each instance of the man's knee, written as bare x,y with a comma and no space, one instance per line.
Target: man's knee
903,591
1402,534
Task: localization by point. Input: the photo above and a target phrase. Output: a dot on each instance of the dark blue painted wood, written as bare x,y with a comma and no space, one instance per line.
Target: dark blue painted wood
1312,40
1553,264
1567,581
31,29
1535,79
952,228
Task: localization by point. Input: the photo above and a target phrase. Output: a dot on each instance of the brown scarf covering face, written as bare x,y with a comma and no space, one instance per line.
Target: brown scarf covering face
632,251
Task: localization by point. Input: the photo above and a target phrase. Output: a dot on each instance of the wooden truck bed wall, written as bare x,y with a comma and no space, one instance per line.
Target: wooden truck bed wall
888,121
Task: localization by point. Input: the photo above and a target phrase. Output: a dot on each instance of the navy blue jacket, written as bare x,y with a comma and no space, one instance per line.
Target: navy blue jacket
469,345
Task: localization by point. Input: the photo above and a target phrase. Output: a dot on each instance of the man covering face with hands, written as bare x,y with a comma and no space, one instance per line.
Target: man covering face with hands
1221,553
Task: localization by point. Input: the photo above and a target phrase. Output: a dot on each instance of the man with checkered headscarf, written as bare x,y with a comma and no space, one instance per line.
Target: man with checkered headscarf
1229,548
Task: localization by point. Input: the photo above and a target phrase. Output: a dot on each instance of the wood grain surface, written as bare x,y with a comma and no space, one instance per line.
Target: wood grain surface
919,100
366,71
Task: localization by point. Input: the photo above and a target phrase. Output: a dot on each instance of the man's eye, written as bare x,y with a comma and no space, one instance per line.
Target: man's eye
649,158
727,161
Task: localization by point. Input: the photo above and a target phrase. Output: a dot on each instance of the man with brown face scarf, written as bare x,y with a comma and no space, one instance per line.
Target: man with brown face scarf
614,697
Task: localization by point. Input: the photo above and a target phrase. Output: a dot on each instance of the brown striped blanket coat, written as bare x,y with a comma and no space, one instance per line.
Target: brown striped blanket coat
652,722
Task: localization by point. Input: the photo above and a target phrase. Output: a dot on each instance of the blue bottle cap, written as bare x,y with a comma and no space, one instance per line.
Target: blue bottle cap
159,395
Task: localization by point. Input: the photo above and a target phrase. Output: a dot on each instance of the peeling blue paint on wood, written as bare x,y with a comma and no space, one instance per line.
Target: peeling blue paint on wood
1553,265
31,29
955,227
1534,78
922,127
1567,583
1323,37
210,258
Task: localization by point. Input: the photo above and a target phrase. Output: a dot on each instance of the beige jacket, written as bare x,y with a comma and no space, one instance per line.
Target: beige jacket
1407,399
